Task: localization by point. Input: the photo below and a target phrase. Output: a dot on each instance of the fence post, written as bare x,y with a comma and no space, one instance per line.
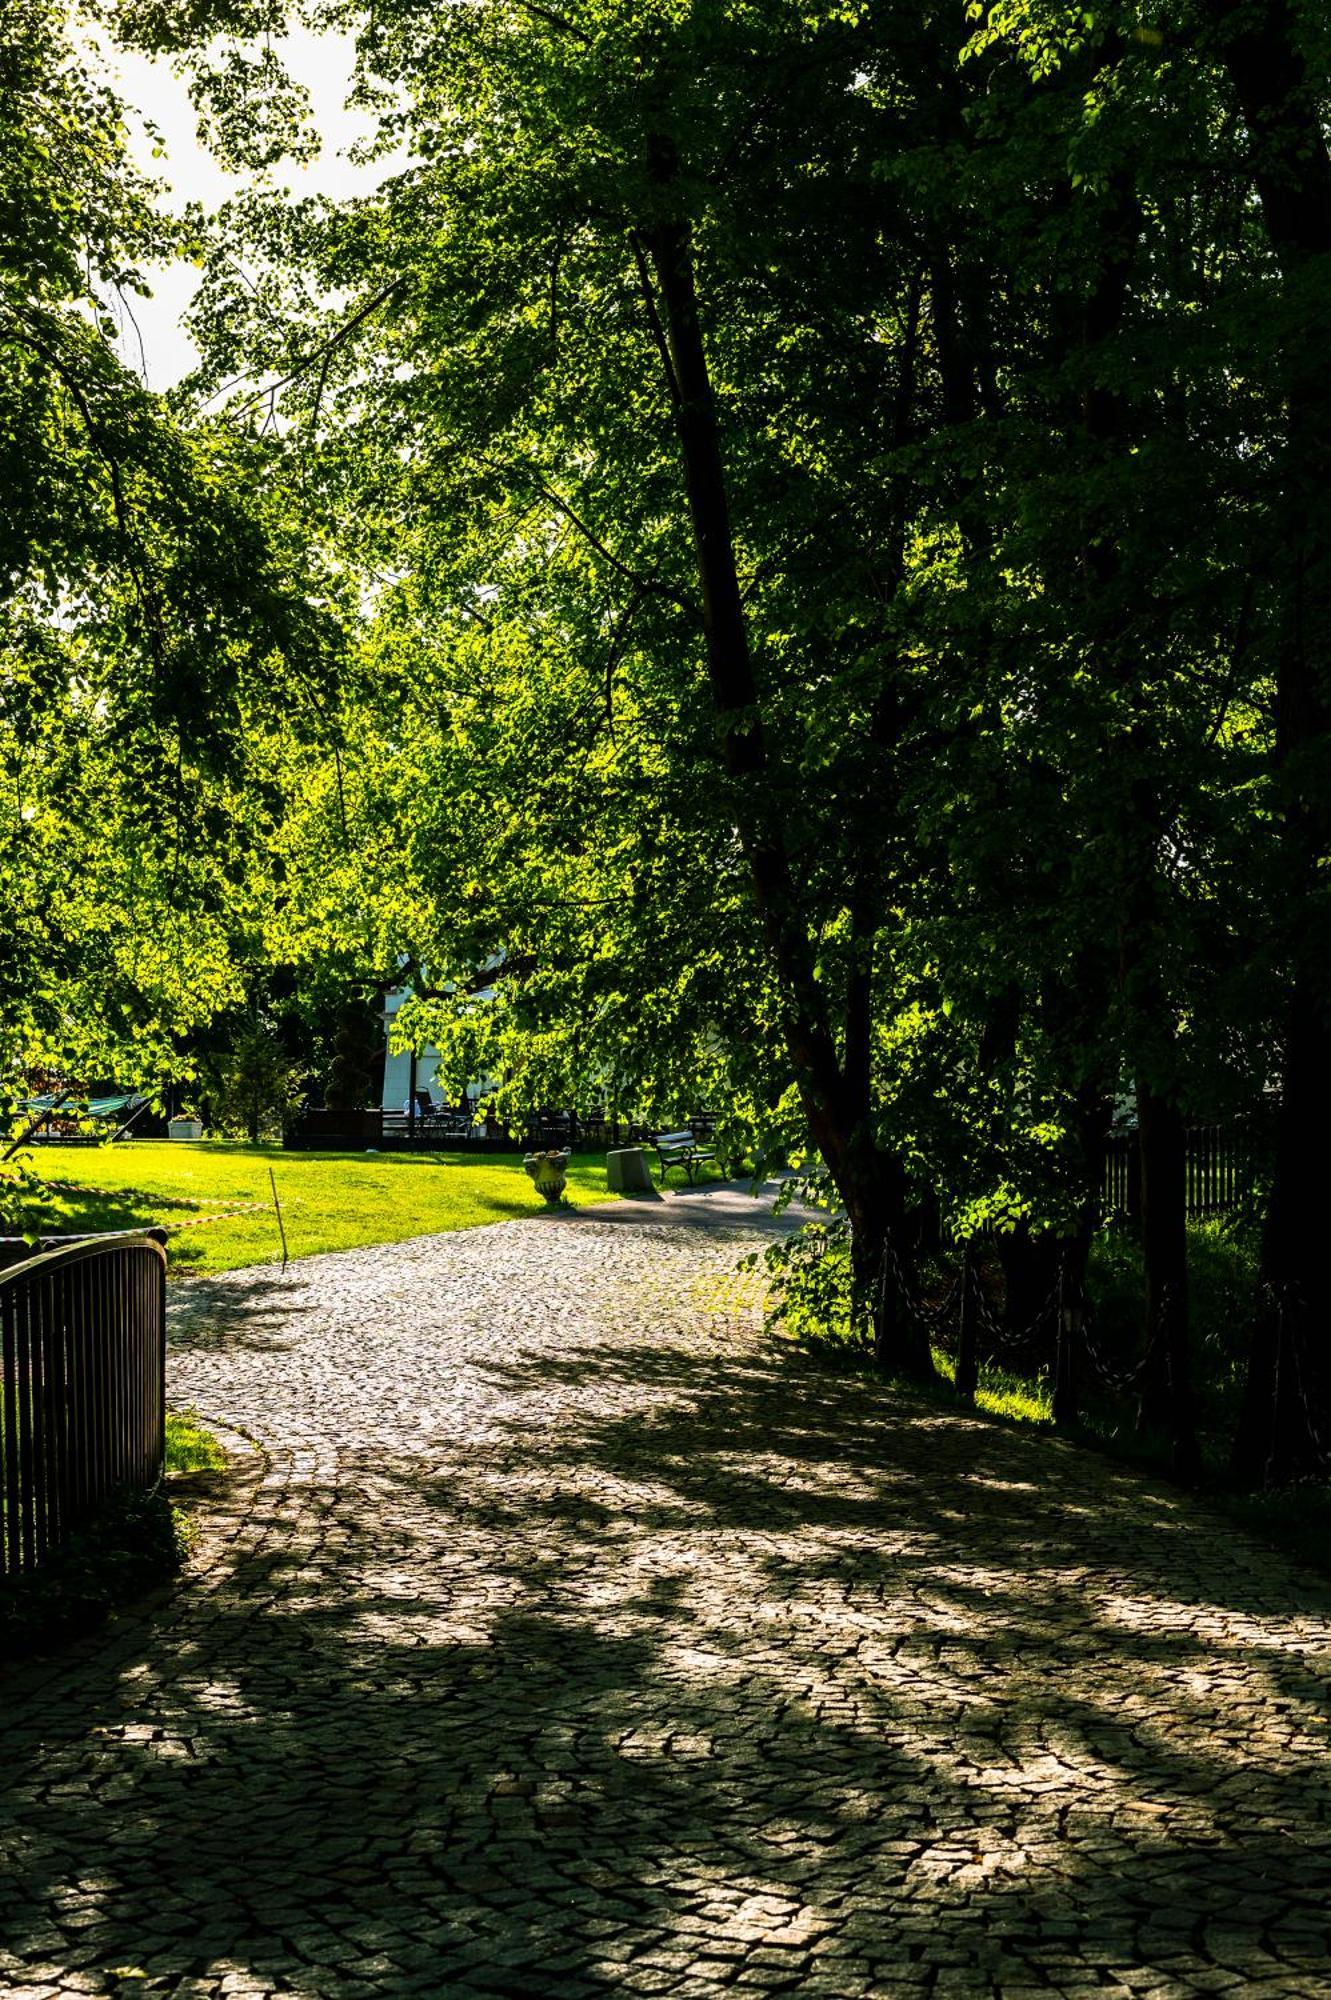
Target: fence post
1070,1307
1133,1179
968,1370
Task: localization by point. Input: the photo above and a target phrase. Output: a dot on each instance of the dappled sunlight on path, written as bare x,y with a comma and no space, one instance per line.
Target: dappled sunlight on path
579,1640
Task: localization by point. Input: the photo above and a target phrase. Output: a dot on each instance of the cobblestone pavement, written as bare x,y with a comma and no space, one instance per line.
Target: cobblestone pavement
566,1638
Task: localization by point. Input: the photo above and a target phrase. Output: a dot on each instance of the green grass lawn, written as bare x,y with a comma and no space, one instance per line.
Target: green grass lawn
1000,1393
330,1201
189,1446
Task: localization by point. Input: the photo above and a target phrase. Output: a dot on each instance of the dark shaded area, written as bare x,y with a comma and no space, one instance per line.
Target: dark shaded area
130,1546
682,1660
212,1314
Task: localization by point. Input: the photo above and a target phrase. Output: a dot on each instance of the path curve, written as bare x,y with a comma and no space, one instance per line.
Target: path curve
572,1639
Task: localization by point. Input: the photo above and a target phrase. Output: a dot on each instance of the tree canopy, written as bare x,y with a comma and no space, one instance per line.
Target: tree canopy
787,540
166,618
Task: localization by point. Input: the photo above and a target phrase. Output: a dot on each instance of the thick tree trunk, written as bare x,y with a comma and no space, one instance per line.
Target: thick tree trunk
878,1275
1030,1275
1287,1392
870,1182
1167,1384
1161,1181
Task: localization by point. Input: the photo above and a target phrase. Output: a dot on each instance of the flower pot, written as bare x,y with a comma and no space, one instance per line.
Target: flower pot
184,1128
549,1171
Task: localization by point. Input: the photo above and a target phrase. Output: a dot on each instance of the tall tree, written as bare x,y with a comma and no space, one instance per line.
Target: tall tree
1276,60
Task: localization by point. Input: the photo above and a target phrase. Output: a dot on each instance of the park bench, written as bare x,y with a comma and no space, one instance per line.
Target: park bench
679,1149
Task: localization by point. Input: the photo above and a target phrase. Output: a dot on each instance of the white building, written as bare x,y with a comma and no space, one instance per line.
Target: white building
397,1063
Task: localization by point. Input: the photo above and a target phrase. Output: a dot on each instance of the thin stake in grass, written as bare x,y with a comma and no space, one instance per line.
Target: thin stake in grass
281,1227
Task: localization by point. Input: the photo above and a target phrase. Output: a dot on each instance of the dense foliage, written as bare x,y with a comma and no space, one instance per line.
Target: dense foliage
167,623
835,495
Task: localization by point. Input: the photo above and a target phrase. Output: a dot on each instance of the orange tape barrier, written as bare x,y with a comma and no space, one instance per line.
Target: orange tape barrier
163,1201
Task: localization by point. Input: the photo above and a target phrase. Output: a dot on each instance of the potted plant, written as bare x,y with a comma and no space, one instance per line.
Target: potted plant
185,1124
550,1173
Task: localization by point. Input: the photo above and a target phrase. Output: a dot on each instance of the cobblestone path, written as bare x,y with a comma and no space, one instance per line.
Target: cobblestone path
566,1639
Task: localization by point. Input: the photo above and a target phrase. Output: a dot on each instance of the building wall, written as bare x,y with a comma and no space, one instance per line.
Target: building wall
397,1077
397,1067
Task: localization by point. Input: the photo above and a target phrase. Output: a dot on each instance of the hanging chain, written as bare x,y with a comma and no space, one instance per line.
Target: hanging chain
936,1317
1120,1381
1291,1348
1001,1338
1009,1338
930,1316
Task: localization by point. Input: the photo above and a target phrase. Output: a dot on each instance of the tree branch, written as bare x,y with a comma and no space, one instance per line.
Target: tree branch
323,352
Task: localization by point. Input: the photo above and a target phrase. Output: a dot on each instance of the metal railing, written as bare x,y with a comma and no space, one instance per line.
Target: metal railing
82,1387
1220,1167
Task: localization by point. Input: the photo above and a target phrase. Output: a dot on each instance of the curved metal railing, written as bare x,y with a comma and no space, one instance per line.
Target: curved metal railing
82,1387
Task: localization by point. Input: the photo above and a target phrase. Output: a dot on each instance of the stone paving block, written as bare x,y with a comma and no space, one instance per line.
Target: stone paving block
567,1637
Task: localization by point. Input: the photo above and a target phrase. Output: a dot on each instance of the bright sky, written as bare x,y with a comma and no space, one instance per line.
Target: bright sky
158,347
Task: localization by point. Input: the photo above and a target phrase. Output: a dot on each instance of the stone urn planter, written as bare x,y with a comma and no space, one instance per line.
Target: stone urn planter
550,1173
185,1128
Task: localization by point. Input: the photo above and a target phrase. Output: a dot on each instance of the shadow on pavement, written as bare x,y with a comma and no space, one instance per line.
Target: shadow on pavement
686,1663
716,1205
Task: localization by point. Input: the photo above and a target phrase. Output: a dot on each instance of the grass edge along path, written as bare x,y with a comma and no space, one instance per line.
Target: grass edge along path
214,1196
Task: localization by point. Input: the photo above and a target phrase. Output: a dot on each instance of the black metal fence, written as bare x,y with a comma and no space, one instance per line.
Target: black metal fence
1221,1165
443,1131
82,1386
392,1132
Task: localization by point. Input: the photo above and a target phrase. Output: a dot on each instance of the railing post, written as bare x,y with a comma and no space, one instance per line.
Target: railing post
968,1371
159,1286
10,1545
1070,1306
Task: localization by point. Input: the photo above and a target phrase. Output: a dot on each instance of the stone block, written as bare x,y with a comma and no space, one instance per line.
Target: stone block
627,1172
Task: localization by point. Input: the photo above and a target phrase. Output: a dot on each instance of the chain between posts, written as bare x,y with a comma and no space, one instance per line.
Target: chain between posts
1122,1381
1291,1340
930,1316
1004,1338
936,1316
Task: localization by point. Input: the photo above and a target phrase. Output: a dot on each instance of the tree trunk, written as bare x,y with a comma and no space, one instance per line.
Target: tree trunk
1090,1123
1283,1429
870,1182
1030,1274
1287,1389
1161,1184
879,1281
1167,1384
